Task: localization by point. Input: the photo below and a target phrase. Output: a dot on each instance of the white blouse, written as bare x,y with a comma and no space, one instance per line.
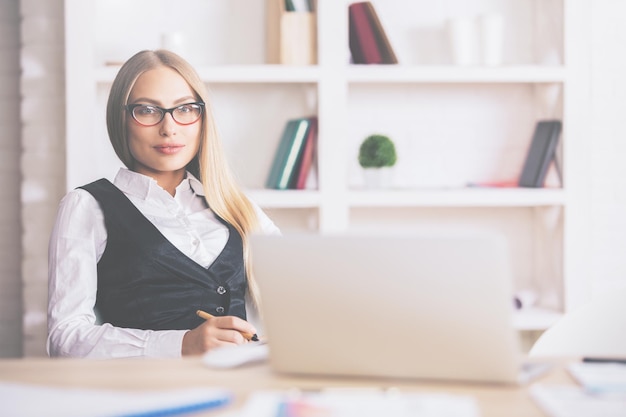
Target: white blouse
78,241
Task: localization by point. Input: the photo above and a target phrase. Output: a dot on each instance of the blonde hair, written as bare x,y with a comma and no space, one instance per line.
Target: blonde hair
222,192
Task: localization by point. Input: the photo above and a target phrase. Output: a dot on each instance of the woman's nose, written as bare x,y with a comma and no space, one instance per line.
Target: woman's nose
168,125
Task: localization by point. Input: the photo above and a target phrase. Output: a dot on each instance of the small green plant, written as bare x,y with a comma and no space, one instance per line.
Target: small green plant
377,151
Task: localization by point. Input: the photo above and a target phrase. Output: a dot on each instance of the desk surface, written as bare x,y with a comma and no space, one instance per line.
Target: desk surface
135,374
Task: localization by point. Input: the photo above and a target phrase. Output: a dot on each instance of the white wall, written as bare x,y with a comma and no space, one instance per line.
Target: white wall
42,161
608,134
10,248
43,154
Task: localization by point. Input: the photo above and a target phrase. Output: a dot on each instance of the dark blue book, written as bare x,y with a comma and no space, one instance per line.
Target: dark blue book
541,152
285,166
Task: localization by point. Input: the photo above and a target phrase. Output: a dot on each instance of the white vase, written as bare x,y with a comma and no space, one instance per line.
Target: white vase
378,177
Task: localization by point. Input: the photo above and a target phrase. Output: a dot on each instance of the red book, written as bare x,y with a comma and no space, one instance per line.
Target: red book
388,56
307,155
363,44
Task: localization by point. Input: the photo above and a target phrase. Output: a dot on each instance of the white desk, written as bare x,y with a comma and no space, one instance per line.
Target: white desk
134,374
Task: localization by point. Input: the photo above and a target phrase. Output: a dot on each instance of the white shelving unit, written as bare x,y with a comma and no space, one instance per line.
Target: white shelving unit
452,74
452,125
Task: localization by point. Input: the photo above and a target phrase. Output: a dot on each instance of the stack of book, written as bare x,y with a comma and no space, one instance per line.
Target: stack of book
368,41
294,156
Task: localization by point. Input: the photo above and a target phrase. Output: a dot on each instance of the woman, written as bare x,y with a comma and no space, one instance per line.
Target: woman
131,263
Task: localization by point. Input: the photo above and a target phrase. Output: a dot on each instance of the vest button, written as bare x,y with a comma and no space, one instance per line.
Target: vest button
220,310
221,290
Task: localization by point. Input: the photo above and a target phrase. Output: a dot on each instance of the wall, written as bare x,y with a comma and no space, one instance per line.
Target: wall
608,133
10,248
43,154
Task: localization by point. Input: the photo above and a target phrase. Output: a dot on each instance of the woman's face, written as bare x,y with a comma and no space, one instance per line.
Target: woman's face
167,147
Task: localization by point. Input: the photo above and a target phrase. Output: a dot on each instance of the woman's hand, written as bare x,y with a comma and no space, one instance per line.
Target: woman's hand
216,332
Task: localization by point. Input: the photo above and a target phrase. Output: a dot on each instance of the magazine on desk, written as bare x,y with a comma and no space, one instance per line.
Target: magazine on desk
361,402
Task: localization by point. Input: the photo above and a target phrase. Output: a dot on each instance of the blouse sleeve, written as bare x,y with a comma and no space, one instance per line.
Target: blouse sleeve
76,244
266,224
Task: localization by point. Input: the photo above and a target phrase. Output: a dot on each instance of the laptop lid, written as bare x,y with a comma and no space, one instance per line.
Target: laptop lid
429,307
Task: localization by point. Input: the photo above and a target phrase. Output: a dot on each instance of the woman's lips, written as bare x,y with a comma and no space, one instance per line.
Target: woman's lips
169,149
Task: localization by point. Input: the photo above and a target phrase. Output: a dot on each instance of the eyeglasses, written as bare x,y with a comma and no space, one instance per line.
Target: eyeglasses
147,115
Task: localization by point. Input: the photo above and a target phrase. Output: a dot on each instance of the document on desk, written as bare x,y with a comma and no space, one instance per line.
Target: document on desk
574,401
236,356
358,402
599,378
22,400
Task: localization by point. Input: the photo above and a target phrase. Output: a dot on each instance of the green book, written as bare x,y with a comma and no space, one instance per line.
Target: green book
288,154
289,6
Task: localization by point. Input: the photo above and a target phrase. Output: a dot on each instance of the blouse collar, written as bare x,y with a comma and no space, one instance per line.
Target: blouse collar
143,186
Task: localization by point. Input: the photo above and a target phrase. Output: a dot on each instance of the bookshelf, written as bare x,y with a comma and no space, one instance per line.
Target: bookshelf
451,124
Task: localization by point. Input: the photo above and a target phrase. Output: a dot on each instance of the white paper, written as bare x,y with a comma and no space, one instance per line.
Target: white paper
573,401
234,356
600,377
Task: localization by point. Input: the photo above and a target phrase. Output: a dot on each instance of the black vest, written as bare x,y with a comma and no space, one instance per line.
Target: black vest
145,282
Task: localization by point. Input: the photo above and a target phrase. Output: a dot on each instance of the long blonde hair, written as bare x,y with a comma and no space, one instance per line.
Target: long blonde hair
210,166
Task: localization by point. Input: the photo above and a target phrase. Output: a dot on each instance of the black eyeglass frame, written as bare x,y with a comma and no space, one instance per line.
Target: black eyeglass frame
131,107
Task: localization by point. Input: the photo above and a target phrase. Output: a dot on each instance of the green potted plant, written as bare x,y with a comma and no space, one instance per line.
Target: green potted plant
377,156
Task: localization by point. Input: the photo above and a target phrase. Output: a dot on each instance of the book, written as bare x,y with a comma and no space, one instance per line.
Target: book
288,153
541,153
297,38
307,156
384,46
300,5
362,40
369,43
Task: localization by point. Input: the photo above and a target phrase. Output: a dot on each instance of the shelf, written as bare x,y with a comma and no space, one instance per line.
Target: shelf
466,122
535,318
368,74
237,74
461,197
455,74
285,198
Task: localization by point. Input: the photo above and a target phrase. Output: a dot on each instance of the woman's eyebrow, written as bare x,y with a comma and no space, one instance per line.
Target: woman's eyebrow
181,100
185,99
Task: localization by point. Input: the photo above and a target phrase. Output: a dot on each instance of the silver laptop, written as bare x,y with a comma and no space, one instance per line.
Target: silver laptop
427,307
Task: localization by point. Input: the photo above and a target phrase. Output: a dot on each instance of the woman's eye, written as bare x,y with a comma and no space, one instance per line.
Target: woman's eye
147,110
184,109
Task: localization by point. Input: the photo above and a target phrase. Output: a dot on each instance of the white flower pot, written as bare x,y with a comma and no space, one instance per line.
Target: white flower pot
378,177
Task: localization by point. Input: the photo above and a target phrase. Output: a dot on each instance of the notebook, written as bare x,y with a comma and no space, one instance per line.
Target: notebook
429,306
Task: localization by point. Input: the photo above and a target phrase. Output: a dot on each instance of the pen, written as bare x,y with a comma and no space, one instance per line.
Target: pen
604,360
194,407
248,336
